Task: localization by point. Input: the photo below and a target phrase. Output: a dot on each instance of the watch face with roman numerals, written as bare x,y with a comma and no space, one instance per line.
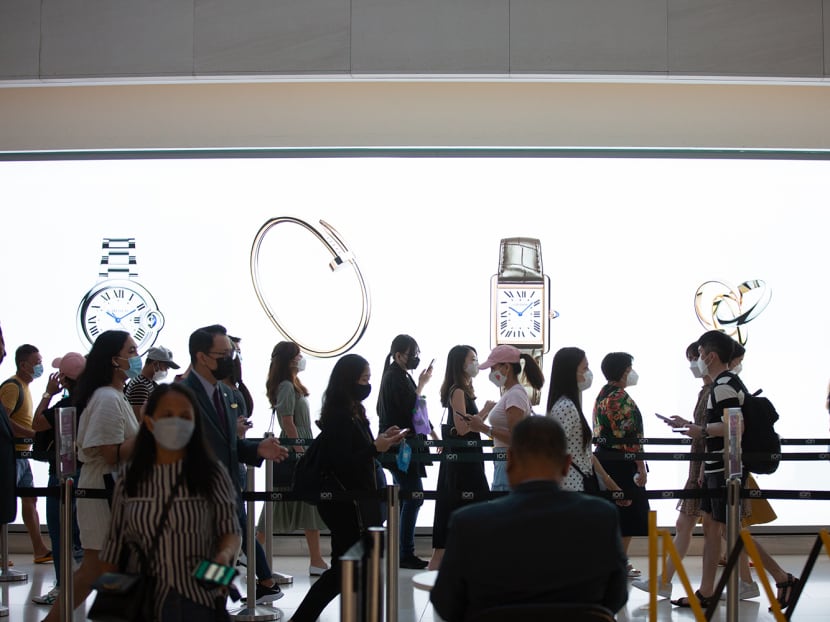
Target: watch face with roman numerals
519,314
120,305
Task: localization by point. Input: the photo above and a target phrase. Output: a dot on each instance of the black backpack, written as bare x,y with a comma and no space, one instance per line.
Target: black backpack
759,435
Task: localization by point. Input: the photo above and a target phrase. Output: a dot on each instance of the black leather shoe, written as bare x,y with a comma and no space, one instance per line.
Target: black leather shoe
413,562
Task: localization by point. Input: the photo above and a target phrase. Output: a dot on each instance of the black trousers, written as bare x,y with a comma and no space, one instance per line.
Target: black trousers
342,520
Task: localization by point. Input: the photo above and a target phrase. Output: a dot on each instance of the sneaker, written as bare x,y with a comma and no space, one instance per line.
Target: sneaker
746,590
45,559
49,598
282,579
413,562
265,594
663,590
633,573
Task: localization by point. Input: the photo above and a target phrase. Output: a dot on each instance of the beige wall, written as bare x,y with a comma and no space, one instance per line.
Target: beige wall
353,113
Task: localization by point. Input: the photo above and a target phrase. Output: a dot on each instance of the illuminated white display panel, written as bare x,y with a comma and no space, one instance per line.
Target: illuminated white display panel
625,242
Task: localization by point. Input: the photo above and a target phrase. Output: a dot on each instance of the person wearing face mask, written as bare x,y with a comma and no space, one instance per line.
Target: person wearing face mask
105,440
465,422
159,360
569,377
348,452
397,398
171,458
17,399
616,416
289,403
506,364
211,359
69,366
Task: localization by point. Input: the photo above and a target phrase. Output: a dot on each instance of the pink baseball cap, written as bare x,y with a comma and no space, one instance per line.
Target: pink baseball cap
70,364
502,354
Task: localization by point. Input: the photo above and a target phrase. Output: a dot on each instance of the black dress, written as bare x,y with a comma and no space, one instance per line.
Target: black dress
457,477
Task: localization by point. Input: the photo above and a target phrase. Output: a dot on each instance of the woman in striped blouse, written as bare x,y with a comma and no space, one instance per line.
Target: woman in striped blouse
172,458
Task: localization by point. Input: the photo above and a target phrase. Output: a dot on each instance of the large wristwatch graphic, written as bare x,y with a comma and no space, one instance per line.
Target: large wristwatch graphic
118,301
520,300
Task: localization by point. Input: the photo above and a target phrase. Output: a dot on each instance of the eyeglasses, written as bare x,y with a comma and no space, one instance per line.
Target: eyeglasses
232,354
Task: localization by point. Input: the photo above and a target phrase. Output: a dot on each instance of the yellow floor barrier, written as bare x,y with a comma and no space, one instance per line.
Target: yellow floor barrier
669,550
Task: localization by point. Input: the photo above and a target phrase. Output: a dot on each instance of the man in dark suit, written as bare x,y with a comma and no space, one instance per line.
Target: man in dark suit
211,358
539,544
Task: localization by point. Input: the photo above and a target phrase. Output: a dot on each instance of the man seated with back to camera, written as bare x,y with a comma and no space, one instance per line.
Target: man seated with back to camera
539,544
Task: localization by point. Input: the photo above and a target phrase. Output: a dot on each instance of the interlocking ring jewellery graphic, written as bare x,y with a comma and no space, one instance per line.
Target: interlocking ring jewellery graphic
719,307
341,256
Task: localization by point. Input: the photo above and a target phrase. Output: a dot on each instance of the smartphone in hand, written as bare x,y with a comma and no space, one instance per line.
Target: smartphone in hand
214,574
666,419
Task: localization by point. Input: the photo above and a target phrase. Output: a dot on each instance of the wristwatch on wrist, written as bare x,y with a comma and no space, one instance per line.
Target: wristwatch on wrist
117,301
46,396
704,433
520,301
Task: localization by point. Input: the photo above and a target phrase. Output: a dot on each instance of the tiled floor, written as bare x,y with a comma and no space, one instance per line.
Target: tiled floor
415,606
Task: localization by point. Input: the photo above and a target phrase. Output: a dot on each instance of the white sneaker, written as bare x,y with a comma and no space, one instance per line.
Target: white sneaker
663,590
48,598
746,590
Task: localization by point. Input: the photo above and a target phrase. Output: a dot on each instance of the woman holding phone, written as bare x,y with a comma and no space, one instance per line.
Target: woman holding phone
348,451
465,422
397,399
173,462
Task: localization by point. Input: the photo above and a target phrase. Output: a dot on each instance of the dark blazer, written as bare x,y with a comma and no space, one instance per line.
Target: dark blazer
8,470
229,449
539,544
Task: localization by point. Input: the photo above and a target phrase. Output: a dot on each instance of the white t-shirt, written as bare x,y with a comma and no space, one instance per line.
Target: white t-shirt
108,419
565,411
514,396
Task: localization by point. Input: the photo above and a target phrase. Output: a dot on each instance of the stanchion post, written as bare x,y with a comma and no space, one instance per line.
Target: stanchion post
348,594
392,551
252,612
269,513
374,594
7,575
733,419
652,566
67,603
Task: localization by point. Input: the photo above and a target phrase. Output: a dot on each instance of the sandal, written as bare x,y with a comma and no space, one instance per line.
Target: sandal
785,591
684,602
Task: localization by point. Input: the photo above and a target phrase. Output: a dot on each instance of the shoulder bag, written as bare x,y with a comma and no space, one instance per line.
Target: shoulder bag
124,597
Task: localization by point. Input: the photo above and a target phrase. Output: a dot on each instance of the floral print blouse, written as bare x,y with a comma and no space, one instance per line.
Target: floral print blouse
617,416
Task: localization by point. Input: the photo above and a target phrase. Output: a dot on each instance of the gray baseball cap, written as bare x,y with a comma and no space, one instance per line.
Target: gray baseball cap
162,355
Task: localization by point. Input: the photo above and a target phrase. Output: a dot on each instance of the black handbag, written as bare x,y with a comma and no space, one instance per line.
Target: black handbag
128,597
590,483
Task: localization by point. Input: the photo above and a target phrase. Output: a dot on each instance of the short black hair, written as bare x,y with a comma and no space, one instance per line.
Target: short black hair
201,339
691,350
24,352
539,438
614,365
720,343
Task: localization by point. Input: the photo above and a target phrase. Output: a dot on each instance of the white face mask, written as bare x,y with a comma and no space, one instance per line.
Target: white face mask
173,433
497,378
703,367
585,384
301,365
695,369
160,375
471,369
632,379
738,368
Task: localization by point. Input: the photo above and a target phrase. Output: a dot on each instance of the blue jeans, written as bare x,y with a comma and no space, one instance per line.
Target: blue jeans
177,608
500,482
53,525
408,482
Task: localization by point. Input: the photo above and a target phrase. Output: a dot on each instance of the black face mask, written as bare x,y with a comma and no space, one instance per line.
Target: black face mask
412,362
224,368
361,391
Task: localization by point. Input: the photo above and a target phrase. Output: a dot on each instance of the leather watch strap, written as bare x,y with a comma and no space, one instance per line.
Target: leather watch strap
520,260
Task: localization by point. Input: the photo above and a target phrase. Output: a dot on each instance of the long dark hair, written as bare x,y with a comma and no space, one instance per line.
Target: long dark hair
339,396
455,376
199,464
563,383
281,369
99,369
402,343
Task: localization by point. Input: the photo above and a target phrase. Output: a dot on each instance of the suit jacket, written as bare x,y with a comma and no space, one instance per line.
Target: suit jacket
539,544
229,449
8,470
